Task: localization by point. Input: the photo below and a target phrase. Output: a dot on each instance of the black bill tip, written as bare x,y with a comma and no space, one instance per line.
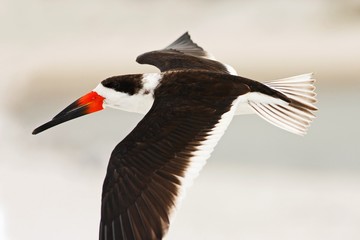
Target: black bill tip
64,117
89,103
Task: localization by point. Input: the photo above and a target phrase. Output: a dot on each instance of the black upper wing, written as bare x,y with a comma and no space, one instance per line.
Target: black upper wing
147,169
185,45
182,54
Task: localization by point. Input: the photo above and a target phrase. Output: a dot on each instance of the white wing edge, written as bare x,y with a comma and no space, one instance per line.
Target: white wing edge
199,157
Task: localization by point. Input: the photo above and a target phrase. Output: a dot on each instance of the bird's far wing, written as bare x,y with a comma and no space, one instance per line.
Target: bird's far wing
149,170
184,54
185,45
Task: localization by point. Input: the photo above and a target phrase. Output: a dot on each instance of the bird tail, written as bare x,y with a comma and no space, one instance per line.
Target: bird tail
296,115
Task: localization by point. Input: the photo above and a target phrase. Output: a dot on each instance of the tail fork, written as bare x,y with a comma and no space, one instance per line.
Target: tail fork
297,115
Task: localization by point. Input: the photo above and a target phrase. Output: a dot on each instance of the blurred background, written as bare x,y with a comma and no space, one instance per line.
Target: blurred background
260,183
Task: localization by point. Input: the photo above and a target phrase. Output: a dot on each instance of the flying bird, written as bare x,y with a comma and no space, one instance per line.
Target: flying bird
187,107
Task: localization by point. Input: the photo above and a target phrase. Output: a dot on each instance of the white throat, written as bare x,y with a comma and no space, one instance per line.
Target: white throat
139,102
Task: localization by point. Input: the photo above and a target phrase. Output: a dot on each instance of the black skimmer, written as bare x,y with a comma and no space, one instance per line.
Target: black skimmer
188,107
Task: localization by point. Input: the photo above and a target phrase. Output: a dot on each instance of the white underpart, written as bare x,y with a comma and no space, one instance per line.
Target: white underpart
210,56
140,102
203,152
280,113
230,69
244,106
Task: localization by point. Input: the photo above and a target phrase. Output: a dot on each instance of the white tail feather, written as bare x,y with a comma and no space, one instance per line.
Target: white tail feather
296,116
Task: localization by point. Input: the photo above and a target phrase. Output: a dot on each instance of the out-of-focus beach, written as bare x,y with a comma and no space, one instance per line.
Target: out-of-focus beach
260,183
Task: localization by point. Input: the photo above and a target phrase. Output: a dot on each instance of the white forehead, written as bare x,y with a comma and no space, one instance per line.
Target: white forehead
140,102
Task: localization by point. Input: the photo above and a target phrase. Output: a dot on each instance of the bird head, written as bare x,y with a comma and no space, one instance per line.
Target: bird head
133,93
